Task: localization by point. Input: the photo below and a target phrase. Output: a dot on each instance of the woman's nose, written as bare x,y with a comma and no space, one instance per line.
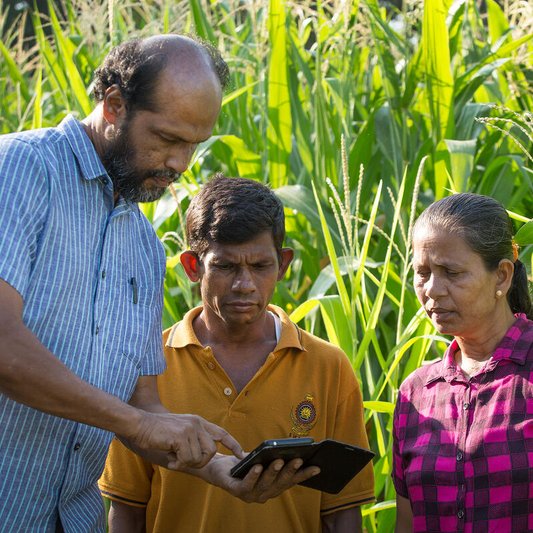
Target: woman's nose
434,287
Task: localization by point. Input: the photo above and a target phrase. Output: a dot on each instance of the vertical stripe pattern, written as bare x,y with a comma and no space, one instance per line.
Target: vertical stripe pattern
90,274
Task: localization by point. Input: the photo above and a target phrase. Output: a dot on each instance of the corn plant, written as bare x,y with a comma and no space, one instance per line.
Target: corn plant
358,116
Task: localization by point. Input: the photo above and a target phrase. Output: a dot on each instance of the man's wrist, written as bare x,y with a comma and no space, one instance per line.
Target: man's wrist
129,421
205,473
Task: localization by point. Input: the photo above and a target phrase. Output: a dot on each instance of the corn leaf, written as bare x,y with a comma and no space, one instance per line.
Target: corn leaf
435,45
279,107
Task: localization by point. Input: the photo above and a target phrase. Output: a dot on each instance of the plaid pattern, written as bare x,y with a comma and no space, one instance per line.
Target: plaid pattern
463,448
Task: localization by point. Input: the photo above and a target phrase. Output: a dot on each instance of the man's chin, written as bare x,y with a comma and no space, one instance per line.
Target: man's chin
150,195
144,194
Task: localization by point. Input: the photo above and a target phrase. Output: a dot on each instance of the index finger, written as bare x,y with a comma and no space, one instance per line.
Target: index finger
221,435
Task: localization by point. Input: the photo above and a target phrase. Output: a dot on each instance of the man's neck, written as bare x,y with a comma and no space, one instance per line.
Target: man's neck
240,351
96,129
214,331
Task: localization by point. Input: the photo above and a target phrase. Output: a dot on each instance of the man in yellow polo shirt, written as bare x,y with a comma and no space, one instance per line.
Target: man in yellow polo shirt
241,363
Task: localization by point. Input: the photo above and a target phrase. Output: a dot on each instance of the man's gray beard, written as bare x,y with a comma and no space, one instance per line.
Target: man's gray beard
125,181
142,194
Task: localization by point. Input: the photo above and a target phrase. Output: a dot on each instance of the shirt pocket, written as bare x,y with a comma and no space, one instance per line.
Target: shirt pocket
130,335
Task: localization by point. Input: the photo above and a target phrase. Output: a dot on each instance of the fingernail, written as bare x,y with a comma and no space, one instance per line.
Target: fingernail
278,466
257,469
298,463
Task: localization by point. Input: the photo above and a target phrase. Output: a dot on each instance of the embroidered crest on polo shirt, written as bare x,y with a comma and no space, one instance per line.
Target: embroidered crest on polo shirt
303,417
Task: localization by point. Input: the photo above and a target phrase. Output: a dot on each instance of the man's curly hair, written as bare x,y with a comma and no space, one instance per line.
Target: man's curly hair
136,72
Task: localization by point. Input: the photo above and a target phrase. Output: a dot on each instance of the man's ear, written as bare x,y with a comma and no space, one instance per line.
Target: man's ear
114,105
287,255
504,273
191,264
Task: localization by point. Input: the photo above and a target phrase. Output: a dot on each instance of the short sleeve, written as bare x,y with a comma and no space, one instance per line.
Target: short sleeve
350,427
24,197
126,477
153,361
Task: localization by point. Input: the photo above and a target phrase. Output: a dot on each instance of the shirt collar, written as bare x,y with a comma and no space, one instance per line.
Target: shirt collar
88,159
91,166
508,349
182,334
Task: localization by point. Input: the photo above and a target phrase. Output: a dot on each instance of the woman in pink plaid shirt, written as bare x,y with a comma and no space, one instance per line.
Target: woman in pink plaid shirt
463,426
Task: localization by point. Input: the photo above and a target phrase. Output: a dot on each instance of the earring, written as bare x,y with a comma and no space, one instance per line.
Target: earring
499,294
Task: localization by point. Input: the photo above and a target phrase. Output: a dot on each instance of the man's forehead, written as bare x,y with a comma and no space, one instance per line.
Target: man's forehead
230,251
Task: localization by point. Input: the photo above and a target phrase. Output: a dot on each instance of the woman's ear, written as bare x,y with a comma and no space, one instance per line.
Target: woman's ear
504,274
191,263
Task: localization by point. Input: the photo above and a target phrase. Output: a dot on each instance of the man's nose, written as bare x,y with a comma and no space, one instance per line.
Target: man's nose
243,281
180,156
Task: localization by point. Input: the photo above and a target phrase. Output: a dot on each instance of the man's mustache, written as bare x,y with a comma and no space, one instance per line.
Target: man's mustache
168,175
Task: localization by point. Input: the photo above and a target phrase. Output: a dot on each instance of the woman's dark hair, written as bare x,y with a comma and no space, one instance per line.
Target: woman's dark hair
483,223
233,210
136,72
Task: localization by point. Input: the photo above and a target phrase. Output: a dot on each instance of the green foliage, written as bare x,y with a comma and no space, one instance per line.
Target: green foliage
359,117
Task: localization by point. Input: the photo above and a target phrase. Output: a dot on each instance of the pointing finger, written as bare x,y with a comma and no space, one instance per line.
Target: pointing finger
221,435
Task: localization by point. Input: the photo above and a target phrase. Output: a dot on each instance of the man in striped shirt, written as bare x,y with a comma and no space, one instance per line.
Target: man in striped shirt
81,274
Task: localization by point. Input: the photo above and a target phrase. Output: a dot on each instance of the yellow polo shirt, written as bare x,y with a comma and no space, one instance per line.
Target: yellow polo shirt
306,387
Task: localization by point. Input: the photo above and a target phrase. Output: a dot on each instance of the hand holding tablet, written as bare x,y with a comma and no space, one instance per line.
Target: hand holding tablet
339,462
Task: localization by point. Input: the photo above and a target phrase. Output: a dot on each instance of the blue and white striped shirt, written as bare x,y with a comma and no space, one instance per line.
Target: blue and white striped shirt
90,274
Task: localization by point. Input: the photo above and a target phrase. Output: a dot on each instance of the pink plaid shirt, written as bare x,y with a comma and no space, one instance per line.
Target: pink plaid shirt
463,448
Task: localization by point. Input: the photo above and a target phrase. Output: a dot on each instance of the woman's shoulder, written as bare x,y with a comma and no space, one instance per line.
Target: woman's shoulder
518,341
429,371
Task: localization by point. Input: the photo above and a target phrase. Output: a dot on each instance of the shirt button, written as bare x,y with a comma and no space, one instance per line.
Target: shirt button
77,446
227,391
96,330
459,456
105,181
460,513
103,274
211,365
466,405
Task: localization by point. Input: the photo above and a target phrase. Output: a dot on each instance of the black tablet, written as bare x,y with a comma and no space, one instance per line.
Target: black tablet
339,462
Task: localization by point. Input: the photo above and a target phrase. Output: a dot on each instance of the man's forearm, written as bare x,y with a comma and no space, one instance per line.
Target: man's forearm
124,518
32,375
346,521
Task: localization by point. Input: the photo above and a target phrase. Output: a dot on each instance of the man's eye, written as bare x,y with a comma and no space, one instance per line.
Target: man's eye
168,140
422,274
223,266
